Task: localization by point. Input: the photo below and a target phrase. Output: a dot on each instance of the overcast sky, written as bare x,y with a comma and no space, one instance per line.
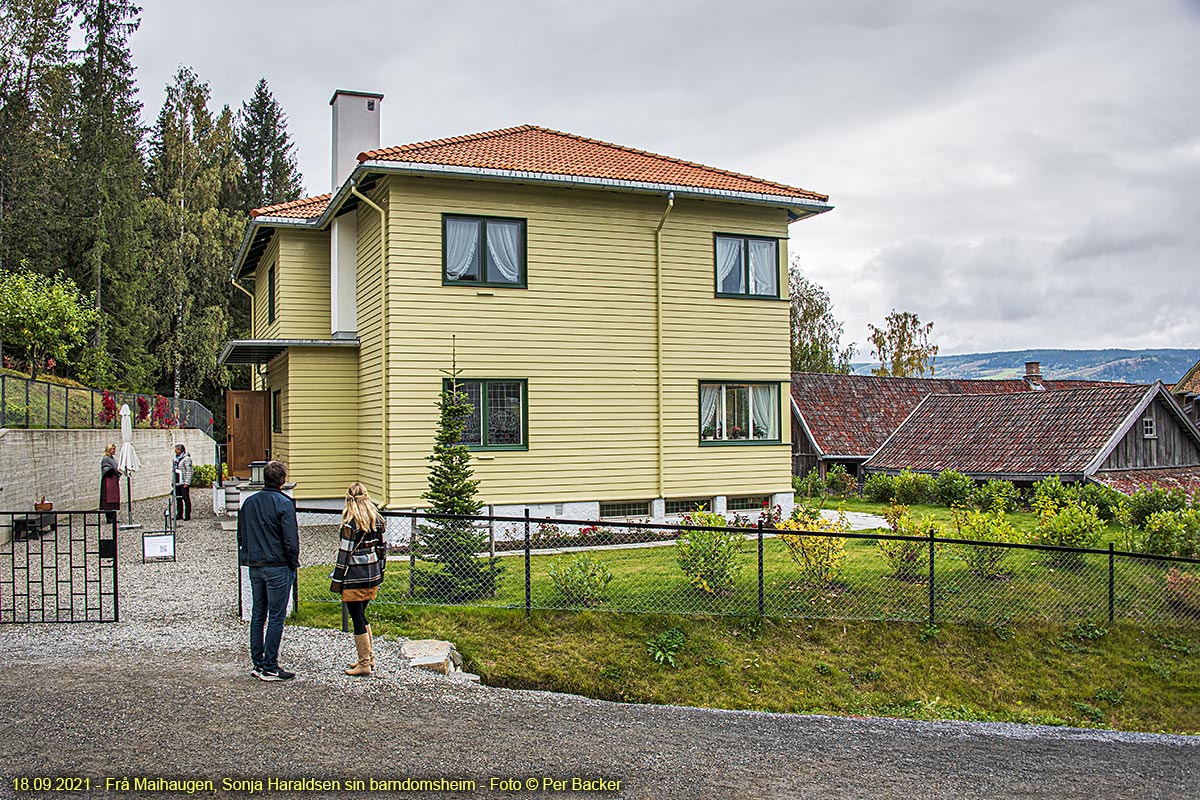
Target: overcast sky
1022,174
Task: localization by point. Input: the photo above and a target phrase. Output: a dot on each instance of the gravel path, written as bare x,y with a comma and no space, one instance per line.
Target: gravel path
166,694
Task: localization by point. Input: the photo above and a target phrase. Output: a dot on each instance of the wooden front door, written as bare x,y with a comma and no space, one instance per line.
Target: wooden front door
247,429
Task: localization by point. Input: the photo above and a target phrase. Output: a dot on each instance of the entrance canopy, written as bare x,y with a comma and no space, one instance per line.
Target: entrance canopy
261,351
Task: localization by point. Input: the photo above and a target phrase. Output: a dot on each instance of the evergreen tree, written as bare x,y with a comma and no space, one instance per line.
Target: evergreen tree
35,91
270,174
447,545
191,167
104,198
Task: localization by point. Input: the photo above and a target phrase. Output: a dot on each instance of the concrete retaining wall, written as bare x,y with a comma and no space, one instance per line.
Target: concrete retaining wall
64,465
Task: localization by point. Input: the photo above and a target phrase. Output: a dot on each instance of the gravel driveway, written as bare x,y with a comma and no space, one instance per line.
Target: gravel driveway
166,694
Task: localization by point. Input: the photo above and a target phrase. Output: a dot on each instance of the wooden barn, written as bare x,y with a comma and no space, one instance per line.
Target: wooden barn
1121,435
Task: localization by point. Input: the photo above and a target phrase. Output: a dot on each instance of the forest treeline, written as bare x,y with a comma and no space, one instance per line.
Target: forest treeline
145,220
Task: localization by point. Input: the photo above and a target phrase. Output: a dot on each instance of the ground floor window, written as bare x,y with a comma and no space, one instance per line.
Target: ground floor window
624,508
498,413
739,412
751,503
689,505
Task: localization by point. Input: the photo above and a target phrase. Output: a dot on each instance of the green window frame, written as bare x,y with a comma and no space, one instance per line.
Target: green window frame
483,257
271,294
746,266
739,413
277,411
494,423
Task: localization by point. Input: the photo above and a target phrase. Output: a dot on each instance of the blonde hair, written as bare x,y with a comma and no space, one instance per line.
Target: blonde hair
359,509
111,450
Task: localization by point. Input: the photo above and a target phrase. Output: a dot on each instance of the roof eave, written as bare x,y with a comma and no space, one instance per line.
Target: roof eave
252,228
802,207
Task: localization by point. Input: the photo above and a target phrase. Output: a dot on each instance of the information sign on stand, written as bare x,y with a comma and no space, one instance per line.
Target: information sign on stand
160,545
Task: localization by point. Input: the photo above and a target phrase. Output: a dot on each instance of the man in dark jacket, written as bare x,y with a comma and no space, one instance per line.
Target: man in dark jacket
269,544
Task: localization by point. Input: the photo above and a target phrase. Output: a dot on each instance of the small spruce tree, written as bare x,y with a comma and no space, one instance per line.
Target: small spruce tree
448,546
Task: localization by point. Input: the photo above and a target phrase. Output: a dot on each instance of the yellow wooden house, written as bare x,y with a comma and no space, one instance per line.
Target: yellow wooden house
620,319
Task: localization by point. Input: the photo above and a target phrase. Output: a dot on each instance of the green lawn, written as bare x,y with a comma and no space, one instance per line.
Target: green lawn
1126,677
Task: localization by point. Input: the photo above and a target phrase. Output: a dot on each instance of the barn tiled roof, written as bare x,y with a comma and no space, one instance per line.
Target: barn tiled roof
529,148
852,415
1024,433
1128,481
304,208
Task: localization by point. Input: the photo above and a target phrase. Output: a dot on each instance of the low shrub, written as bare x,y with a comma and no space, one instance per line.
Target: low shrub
811,485
997,495
952,488
911,488
1108,502
1073,525
204,475
909,560
581,580
1052,493
1145,502
984,526
709,557
820,559
1183,592
879,488
838,482
1172,533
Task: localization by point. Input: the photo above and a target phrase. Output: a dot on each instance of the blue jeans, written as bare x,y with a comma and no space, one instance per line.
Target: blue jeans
270,588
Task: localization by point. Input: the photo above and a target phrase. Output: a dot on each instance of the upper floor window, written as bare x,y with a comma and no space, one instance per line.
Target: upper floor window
485,251
747,266
739,412
1148,428
497,419
271,294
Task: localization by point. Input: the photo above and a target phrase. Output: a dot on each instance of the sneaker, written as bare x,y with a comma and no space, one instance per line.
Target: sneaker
256,672
275,675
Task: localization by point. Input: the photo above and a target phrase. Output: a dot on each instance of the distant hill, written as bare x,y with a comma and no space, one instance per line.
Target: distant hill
1131,366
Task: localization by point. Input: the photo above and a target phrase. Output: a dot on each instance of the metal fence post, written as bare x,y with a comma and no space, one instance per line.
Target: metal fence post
115,567
931,579
93,394
760,568
412,553
1111,583
528,598
26,404
48,387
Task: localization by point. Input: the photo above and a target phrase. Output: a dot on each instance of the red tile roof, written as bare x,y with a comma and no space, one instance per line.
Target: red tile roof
852,415
529,148
1024,433
1128,481
304,208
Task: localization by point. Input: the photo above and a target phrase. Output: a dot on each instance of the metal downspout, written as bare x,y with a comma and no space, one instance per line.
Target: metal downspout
245,291
385,460
658,336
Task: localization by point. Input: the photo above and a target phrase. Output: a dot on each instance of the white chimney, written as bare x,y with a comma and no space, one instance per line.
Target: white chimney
355,130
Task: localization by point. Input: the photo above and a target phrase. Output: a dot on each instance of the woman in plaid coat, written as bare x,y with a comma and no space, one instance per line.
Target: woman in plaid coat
361,561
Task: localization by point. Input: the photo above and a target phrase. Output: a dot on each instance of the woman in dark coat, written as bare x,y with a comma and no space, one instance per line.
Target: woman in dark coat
110,484
361,561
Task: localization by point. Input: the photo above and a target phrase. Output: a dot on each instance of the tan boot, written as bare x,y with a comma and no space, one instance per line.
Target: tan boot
355,664
363,643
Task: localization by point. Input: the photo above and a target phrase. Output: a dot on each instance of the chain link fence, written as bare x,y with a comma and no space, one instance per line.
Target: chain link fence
634,567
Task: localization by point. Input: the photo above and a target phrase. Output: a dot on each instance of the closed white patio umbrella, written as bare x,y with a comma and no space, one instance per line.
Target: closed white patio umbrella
128,461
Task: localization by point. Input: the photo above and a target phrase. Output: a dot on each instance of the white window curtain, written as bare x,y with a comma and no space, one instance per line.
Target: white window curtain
766,413
764,268
462,247
504,251
730,275
709,427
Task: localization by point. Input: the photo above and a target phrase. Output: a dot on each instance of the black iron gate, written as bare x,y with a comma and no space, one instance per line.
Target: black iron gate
58,566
